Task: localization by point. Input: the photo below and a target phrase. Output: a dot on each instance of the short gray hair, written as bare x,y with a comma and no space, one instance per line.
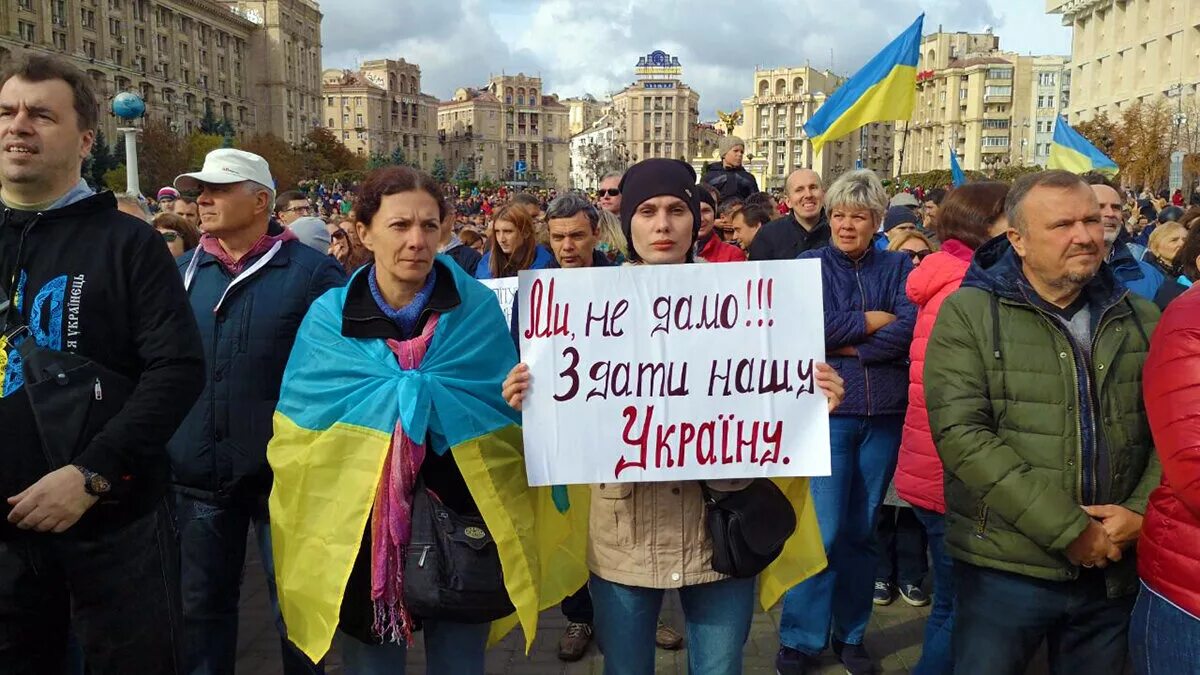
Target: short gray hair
571,204
860,189
1055,178
611,174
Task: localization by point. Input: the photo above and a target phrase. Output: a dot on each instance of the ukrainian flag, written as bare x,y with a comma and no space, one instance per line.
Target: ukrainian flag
1070,151
339,404
884,90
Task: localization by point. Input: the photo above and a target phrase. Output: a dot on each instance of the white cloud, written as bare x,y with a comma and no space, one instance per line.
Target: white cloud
587,47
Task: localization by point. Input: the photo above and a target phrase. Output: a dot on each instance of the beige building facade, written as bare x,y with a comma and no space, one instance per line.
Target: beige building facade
182,57
379,108
583,111
773,127
1125,51
493,131
994,108
657,115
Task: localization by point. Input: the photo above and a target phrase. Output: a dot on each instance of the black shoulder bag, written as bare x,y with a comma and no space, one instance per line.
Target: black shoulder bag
452,566
748,527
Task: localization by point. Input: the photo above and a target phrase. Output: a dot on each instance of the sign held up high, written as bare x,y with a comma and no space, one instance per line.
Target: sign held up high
674,372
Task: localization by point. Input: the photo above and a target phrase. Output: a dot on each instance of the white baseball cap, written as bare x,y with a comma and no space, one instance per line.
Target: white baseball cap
226,165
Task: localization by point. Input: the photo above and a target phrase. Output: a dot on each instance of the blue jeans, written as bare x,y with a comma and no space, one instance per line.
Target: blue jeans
902,545
862,459
716,618
936,655
449,648
1163,639
1001,618
212,540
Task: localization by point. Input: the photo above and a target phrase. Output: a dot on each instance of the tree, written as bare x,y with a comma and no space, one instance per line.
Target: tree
1146,136
114,179
377,160
397,157
209,123
439,169
287,165
162,155
99,162
1102,132
322,153
462,176
199,144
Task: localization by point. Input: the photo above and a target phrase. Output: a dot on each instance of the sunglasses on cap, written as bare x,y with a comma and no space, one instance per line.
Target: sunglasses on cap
610,192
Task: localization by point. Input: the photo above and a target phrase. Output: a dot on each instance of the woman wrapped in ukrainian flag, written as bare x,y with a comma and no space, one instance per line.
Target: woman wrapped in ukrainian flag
394,383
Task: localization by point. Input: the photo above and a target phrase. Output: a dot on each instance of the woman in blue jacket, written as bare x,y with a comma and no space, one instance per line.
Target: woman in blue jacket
868,328
514,246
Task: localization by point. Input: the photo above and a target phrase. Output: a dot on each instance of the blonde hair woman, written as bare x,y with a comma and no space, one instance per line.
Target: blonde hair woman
913,244
1165,242
612,240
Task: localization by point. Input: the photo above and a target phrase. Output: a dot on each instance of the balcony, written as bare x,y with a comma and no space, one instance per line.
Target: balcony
998,98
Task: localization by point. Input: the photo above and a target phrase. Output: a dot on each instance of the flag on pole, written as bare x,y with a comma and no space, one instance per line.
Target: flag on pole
956,172
1070,151
884,90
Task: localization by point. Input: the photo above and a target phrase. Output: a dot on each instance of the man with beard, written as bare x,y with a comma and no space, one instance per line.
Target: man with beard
1138,276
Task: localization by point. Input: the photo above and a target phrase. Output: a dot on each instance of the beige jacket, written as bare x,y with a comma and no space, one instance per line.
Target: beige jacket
652,535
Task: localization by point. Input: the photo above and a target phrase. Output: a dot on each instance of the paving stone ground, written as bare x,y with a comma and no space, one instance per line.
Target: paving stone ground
894,638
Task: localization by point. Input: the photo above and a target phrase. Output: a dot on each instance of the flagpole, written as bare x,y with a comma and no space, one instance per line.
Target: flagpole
903,142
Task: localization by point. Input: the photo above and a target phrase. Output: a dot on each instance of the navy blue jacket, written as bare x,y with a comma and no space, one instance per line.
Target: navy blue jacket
220,449
877,377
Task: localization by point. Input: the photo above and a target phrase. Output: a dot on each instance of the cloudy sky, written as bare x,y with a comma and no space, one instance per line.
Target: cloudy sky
591,47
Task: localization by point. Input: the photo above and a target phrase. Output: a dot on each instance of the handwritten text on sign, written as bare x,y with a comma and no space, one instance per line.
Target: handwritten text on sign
675,372
506,294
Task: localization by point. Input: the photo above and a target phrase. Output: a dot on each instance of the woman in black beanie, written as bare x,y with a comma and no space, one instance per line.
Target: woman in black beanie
646,538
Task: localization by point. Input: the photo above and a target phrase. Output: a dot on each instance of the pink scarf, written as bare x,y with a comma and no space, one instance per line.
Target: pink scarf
391,516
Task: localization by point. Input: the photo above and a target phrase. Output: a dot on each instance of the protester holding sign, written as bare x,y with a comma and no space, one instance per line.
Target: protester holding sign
514,245
400,491
868,329
648,537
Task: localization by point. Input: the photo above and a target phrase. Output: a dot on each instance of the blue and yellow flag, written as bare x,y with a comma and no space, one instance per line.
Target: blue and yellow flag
1070,151
956,173
340,401
884,90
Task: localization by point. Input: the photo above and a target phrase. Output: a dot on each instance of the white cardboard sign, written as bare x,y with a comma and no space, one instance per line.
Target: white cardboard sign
506,294
674,372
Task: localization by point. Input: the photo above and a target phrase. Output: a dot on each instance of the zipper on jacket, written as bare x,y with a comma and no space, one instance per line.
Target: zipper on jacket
981,521
862,293
1097,425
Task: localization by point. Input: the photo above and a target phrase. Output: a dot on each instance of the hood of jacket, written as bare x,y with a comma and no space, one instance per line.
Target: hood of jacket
944,268
996,268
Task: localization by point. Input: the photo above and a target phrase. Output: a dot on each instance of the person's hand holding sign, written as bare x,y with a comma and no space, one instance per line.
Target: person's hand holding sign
518,380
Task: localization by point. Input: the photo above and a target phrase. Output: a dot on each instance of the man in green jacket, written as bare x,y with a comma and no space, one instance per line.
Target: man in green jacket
1033,386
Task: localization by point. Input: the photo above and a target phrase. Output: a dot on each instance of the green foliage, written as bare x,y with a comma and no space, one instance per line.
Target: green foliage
439,170
377,160
114,179
199,144
99,162
397,158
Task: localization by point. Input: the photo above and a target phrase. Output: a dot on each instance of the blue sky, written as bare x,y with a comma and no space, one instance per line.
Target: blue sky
591,47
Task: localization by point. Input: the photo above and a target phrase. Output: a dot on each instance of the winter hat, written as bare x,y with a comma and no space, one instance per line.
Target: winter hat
898,215
726,143
706,196
904,199
656,177
312,233
168,193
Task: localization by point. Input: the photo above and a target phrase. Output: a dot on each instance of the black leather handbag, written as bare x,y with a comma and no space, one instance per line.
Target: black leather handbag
748,527
452,566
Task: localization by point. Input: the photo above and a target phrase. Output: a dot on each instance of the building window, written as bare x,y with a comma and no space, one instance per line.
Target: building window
26,30
60,41
88,18
962,94
995,141
1046,79
999,73
996,90
1046,101
114,27
995,124
358,120
89,48
345,119
58,12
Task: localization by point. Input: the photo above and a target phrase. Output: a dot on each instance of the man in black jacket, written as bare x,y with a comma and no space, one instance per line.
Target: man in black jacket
88,544
805,228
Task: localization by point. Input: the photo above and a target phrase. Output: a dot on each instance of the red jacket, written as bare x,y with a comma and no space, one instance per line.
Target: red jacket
919,469
1169,548
716,250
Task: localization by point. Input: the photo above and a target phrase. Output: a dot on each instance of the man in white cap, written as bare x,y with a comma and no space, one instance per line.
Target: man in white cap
250,282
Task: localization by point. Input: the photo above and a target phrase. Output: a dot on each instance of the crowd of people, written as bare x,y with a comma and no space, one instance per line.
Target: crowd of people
1012,374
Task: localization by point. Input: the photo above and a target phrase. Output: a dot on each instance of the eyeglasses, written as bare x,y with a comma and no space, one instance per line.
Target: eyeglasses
170,236
610,192
918,255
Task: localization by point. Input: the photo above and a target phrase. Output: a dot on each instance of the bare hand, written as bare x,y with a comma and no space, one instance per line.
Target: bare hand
516,384
877,320
1092,548
831,384
53,504
1120,524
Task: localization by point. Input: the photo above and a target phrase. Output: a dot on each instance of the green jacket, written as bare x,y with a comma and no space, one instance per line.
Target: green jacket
1009,396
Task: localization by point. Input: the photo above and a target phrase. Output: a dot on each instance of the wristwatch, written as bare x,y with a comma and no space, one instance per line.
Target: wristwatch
93,483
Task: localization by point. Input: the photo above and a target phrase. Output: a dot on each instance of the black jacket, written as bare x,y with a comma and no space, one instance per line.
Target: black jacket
730,183
100,284
784,238
466,257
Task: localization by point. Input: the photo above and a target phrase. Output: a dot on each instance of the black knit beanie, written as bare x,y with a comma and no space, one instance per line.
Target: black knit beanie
652,178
